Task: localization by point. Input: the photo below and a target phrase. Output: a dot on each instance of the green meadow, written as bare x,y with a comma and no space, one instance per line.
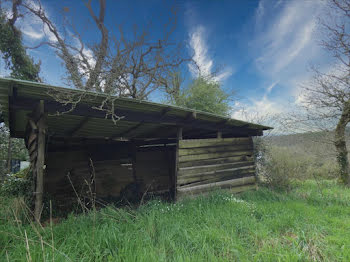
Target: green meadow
310,222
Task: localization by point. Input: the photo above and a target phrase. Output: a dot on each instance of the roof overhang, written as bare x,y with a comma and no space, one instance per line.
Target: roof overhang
141,119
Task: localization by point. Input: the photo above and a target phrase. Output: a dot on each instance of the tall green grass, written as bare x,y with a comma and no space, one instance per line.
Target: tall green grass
311,222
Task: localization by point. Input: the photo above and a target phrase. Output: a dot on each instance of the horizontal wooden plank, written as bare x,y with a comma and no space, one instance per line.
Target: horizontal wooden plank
216,176
213,149
237,189
217,172
215,155
215,161
222,184
192,143
211,179
207,168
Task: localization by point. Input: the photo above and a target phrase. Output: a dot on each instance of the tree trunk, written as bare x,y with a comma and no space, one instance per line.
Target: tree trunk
340,145
40,164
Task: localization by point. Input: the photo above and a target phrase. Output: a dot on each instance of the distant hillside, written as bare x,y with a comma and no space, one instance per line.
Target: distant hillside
316,143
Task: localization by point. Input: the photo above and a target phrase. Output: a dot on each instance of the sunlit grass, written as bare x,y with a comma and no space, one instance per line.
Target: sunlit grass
309,223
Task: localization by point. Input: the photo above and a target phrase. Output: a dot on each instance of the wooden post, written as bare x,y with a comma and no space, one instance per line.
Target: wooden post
179,137
133,161
219,134
40,162
179,133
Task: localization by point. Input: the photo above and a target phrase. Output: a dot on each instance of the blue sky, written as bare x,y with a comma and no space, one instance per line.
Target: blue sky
262,48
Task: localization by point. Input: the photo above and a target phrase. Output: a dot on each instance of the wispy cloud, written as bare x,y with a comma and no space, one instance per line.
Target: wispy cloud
270,87
204,64
286,36
34,34
198,44
258,110
283,47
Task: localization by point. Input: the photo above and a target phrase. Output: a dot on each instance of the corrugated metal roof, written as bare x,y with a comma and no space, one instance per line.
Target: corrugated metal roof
99,127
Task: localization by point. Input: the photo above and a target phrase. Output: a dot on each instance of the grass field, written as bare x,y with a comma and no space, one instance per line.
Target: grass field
309,223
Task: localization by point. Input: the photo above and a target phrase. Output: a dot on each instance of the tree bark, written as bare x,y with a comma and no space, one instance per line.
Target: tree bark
40,164
340,145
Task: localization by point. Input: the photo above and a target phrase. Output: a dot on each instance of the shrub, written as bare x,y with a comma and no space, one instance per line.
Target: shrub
19,185
278,166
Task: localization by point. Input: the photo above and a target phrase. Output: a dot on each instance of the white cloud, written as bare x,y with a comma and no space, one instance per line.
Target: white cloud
30,32
260,11
204,64
270,87
259,110
287,36
89,56
33,28
283,47
224,74
200,49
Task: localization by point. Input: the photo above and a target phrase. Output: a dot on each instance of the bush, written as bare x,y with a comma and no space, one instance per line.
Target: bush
278,166
19,185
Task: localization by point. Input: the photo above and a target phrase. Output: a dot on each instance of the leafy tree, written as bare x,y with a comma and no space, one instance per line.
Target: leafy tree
22,67
201,94
12,50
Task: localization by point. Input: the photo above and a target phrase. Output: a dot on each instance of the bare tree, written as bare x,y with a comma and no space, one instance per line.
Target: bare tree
132,65
326,99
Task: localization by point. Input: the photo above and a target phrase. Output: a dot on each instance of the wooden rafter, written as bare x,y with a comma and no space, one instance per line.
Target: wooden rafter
78,127
190,121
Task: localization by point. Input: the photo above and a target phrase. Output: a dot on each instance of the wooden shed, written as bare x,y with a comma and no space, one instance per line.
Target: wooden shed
154,148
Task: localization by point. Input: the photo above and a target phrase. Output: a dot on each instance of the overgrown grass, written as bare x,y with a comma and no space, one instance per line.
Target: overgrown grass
309,223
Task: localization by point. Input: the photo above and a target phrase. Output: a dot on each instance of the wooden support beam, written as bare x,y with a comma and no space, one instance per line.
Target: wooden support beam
12,114
179,137
133,160
40,162
78,127
219,134
179,133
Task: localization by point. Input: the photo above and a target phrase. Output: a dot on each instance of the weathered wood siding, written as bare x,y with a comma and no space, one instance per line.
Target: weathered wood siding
206,164
117,170
155,168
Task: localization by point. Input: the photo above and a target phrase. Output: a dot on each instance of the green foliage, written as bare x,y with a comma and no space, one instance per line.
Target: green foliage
18,149
281,165
202,95
18,185
308,223
14,54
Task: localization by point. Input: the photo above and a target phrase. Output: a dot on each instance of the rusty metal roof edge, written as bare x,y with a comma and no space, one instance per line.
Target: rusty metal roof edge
234,122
